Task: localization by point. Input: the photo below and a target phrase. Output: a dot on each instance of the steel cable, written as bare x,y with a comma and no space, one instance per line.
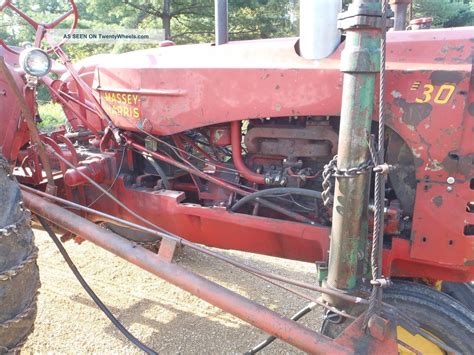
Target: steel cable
167,235
389,311
375,298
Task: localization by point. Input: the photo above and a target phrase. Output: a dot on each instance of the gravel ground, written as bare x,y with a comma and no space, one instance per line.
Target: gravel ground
162,316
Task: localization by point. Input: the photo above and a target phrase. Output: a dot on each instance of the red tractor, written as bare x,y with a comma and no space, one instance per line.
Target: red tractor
354,152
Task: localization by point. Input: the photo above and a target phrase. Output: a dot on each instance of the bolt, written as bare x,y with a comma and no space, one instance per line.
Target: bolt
450,180
450,188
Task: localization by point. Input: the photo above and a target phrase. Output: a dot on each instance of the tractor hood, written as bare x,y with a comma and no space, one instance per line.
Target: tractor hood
173,89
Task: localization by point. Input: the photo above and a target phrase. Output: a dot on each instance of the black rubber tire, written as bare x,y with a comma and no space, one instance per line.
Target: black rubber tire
463,292
19,276
436,312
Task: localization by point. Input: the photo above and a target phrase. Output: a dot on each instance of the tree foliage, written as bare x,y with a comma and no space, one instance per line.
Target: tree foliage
192,21
184,21
445,13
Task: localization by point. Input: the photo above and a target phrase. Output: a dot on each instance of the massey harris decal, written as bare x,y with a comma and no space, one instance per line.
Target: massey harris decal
122,104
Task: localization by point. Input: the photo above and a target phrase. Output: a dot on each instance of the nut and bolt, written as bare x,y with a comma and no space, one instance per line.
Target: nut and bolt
450,180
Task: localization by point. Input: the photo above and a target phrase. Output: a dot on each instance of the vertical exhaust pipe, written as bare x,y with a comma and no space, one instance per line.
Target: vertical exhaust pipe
400,8
221,20
319,36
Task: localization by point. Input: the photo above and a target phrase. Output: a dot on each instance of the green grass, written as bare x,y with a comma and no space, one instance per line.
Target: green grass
52,116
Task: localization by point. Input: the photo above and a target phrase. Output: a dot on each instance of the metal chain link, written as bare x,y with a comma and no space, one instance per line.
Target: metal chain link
17,348
19,317
5,232
152,246
7,275
6,167
331,170
326,194
13,228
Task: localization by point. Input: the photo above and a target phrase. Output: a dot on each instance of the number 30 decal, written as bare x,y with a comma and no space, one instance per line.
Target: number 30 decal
439,95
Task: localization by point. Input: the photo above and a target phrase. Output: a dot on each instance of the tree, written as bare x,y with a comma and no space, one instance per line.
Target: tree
445,13
193,20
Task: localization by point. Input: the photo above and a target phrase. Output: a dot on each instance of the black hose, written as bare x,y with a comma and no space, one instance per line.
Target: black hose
91,293
297,316
159,170
275,191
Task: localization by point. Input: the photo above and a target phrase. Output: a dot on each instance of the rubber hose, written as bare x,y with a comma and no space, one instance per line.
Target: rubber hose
91,293
275,191
160,171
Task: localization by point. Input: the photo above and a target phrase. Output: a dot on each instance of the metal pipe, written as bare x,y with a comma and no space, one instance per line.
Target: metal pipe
227,300
360,62
183,186
236,141
185,167
297,316
167,235
400,8
221,19
319,35
218,182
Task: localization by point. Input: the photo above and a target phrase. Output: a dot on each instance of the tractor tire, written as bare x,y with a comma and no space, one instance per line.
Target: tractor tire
437,313
19,275
463,292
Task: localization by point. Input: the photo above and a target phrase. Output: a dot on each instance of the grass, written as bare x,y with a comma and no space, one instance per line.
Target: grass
52,116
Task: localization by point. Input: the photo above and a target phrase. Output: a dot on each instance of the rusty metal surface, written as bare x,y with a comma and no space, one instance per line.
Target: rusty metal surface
271,66
354,337
437,133
416,60
360,62
217,227
252,313
236,140
313,141
28,116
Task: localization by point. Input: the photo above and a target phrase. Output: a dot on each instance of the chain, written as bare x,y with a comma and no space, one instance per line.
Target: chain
331,170
7,275
13,228
19,317
5,167
5,232
326,194
153,246
17,348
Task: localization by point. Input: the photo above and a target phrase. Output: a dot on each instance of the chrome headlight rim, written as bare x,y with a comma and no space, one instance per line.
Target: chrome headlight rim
25,62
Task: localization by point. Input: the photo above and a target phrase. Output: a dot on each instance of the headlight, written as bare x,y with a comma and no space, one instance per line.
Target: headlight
35,62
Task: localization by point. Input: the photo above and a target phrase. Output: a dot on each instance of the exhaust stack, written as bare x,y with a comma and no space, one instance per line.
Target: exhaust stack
319,35
221,18
400,8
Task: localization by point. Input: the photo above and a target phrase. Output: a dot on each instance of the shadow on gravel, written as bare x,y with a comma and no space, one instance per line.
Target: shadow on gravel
184,321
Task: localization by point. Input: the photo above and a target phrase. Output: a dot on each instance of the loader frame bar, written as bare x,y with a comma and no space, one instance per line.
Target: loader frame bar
221,297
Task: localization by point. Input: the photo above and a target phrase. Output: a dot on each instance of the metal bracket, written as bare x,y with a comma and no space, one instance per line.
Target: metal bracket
167,249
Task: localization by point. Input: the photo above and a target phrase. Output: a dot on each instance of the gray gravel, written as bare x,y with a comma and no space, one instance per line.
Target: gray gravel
164,317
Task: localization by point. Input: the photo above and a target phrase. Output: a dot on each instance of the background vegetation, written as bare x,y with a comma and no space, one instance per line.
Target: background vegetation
189,21
192,21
